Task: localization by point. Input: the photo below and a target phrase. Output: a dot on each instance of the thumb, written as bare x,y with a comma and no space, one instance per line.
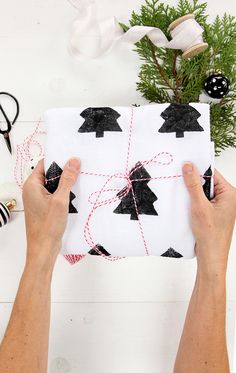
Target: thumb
38,173
193,182
68,177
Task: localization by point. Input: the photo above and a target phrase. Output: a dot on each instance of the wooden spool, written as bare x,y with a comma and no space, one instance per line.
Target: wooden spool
195,49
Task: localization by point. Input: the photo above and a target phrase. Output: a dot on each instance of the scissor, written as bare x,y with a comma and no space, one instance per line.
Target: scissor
9,122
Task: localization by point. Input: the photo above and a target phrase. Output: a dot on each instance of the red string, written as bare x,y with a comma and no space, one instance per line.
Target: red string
127,176
73,258
23,155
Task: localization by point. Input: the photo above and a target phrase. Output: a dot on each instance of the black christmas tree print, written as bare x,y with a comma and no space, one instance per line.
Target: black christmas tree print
100,248
99,120
207,185
54,172
180,118
144,197
171,253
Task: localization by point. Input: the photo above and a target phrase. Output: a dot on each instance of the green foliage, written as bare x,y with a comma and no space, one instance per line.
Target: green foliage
166,77
223,128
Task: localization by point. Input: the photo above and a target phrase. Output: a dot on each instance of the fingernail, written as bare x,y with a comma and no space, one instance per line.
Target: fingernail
188,168
74,164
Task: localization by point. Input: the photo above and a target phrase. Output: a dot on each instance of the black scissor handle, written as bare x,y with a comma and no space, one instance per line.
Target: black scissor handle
10,123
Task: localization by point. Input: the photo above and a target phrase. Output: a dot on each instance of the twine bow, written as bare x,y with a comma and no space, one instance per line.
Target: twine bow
127,176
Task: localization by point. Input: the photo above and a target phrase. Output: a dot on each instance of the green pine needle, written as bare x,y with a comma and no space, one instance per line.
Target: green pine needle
166,77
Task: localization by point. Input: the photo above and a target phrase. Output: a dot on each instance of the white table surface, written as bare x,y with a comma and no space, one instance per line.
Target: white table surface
119,317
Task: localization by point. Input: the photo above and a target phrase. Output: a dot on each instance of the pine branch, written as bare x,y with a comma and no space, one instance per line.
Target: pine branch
223,126
161,71
166,77
177,79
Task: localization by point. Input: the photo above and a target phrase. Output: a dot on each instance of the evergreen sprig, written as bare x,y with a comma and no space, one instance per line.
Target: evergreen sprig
166,77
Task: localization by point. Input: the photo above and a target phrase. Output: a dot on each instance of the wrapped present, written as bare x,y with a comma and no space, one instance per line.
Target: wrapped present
130,198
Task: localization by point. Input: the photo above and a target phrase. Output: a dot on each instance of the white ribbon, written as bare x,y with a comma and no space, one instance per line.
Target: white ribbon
93,38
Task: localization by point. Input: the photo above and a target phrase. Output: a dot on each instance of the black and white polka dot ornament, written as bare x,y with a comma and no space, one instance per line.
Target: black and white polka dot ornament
216,85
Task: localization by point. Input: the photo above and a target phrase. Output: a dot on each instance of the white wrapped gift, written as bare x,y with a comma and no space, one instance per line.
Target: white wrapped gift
130,198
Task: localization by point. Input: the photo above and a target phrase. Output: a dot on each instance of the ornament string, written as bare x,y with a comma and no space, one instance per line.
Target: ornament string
94,38
95,198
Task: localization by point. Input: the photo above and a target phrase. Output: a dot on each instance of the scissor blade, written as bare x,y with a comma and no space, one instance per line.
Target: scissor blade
8,142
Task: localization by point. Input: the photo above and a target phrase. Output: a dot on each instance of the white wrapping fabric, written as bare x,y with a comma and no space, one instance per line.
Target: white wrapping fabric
107,155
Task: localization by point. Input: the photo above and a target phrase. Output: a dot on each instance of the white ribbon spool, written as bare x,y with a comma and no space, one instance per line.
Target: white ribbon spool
192,43
94,39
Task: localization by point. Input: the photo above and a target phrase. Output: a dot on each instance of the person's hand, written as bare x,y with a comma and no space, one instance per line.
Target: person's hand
46,214
212,221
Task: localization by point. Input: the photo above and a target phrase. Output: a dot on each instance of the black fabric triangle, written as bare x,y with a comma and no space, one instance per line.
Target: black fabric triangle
171,253
52,180
100,248
207,185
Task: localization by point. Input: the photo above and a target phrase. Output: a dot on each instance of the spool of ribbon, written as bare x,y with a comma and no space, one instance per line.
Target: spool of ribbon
93,38
5,211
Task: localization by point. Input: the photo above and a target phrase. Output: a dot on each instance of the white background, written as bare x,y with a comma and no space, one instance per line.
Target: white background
107,317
